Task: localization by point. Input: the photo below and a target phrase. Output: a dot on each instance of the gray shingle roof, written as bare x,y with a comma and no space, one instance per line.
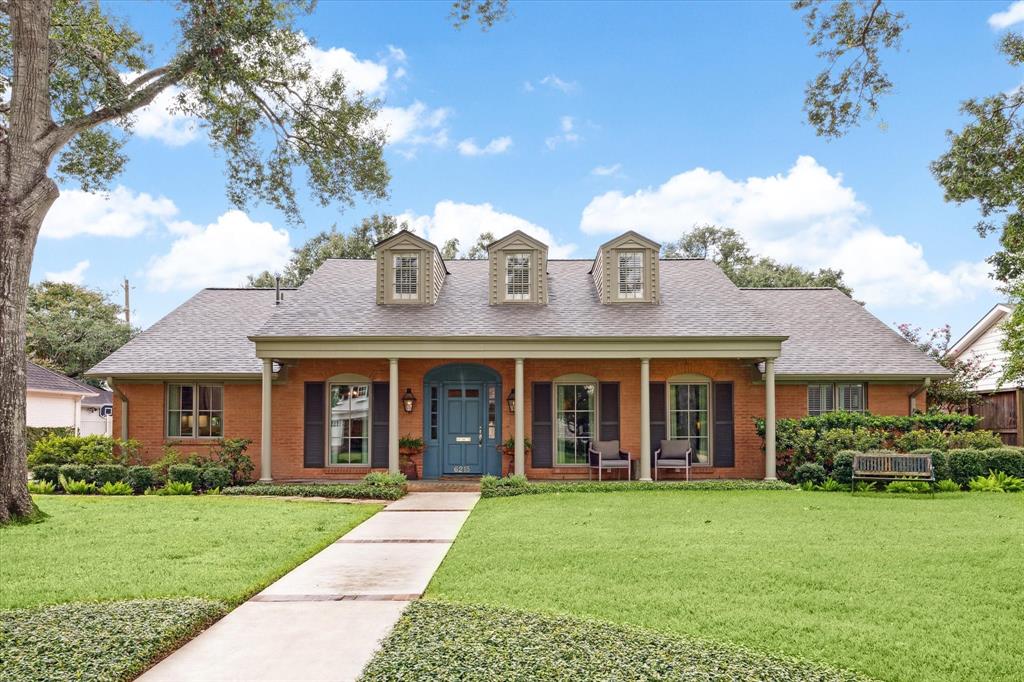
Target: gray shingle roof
41,379
339,300
207,334
830,333
102,397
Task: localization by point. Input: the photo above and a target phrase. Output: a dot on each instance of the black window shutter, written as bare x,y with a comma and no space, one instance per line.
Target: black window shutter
724,454
541,435
379,415
313,449
659,429
609,408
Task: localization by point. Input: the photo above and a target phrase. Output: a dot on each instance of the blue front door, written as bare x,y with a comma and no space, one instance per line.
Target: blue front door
463,442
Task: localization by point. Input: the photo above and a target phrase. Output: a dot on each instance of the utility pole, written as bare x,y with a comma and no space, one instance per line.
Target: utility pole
127,303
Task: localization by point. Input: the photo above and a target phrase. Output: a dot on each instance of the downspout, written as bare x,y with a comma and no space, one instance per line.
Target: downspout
921,389
124,407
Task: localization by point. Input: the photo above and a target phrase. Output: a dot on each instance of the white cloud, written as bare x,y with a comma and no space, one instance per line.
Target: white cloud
805,216
555,83
465,222
365,75
568,127
1014,14
607,171
220,254
414,125
160,121
528,86
121,213
73,276
498,145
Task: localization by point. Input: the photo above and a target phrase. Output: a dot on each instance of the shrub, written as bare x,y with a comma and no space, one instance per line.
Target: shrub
1010,460
842,465
75,472
109,473
976,440
947,485
175,488
810,472
170,457
964,464
997,482
383,478
491,486
360,490
865,439
34,434
183,473
70,449
864,486
831,442
140,478
831,485
45,472
230,454
41,487
907,487
73,487
920,438
115,488
215,477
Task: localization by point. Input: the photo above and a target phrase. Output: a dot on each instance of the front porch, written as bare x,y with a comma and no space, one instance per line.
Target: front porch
338,418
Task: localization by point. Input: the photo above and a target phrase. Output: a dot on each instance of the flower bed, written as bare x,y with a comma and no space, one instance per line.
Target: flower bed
509,486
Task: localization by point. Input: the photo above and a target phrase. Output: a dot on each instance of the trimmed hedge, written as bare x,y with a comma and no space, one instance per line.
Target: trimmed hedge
76,472
442,641
109,473
184,473
55,448
510,486
140,478
854,420
215,477
46,472
105,641
359,491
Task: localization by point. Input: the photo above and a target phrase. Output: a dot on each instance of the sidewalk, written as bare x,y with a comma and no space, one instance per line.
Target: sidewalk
325,619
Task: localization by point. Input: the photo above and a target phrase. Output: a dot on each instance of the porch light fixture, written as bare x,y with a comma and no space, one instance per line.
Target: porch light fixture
511,401
408,400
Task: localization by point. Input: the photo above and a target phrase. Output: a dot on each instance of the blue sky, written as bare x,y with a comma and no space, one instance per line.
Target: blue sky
575,122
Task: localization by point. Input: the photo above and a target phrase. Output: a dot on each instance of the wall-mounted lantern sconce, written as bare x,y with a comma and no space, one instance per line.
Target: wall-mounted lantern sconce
409,400
511,400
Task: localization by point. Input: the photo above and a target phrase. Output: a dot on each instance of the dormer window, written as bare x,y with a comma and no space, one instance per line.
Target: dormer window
407,276
517,277
631,274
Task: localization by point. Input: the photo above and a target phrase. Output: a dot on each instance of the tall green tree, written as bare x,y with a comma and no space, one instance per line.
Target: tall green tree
726,248
70,327
71,77
959,391
331,244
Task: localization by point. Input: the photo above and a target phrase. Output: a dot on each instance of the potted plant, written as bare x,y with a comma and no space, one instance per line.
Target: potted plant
409,449
508,448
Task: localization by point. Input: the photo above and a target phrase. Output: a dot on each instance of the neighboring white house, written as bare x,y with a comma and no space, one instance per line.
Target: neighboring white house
54,400
1003,404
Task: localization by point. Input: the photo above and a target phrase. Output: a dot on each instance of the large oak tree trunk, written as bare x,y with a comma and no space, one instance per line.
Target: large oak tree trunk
26,194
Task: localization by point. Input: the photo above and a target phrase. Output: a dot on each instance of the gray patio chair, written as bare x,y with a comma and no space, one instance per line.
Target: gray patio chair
675,455
605,454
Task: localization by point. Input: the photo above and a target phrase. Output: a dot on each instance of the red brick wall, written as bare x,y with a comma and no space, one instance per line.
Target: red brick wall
242,408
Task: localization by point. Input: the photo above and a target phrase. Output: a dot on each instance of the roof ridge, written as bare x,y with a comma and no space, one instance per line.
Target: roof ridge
60,376
248,288
788,288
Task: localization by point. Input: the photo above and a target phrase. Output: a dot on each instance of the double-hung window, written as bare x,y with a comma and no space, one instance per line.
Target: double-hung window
195,411
350,424
517,277
822,398
407,276
575,417
688,418
631,274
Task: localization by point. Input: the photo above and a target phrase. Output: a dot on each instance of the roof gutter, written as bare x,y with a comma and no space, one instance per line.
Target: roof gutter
124,407
921,389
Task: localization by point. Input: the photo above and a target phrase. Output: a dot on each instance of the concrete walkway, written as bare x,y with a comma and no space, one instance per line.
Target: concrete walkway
327,618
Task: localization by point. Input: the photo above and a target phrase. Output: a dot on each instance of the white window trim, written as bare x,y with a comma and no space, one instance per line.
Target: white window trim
836,391
519,298
640,294
692,381
595,425
369,425
195,411
405,296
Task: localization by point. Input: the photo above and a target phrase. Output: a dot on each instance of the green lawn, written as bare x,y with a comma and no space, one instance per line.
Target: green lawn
115,548
898,588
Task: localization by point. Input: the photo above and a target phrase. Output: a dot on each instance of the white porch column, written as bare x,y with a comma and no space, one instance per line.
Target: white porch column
265,431
645,419
519,464
769,419
393,416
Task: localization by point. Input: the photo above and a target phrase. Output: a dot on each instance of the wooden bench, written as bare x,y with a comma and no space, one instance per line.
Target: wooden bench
892,467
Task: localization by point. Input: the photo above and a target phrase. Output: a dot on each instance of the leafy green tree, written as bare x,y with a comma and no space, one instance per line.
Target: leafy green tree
450,250
331,244
70,79
70,327
959,391
479,250
849,36
727,249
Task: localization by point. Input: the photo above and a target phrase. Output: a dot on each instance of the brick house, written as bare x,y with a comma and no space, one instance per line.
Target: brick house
548,355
